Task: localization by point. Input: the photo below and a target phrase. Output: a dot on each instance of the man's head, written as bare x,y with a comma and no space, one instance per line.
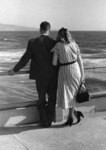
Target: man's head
45,27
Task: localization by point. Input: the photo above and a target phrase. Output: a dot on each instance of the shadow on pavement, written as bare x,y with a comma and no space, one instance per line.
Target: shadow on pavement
18,129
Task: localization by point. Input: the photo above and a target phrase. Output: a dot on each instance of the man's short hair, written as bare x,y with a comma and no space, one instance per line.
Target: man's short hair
45,26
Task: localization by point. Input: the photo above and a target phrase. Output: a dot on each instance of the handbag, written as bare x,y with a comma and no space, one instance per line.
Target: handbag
83,94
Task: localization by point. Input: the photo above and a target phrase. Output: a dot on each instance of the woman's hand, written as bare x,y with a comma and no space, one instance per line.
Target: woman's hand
83,79
11,72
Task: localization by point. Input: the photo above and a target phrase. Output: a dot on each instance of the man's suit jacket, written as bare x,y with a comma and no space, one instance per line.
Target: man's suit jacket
38,51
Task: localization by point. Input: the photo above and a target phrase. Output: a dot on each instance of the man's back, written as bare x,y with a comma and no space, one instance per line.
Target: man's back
38,50
41,57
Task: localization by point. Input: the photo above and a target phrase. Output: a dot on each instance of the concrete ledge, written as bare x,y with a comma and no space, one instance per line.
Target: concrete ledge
27,113
99,101
98,94
100,104
18,116
18,105
22,113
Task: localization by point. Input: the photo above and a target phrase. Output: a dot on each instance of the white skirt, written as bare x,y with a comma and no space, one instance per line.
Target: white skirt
68,82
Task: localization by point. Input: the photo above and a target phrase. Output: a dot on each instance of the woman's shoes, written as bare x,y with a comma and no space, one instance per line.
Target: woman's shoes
69,122
79,114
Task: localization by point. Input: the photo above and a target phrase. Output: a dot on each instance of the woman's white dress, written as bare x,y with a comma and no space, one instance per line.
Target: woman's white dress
69,76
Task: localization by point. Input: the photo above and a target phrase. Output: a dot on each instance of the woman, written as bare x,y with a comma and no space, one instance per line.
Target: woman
71,73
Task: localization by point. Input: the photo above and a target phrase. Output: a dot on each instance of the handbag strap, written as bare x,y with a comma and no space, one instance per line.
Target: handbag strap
82,83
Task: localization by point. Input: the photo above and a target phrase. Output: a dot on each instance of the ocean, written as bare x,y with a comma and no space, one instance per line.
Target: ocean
19,88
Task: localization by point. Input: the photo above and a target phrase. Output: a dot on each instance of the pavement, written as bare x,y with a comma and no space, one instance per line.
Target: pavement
89,134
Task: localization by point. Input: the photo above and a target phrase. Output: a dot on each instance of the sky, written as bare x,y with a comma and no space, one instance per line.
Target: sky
72,14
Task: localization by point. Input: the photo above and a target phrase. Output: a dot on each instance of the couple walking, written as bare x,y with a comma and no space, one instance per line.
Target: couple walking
57,68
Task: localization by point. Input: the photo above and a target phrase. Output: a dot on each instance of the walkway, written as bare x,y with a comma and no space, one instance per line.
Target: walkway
89,134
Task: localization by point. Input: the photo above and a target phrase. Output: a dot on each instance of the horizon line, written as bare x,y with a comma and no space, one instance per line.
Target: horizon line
53,29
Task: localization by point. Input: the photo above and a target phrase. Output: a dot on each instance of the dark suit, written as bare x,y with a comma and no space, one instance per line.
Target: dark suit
41,70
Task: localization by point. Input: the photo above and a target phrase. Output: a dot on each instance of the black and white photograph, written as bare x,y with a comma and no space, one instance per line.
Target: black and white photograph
52,74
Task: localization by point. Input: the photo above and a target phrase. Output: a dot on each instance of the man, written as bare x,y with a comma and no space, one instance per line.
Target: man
41,70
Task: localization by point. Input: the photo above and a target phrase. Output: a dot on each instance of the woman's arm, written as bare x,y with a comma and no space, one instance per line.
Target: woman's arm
55,59
55,51
80,62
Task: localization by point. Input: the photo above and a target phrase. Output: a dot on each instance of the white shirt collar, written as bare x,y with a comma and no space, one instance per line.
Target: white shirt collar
44,34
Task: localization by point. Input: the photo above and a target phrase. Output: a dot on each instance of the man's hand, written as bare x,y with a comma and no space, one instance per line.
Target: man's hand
11,72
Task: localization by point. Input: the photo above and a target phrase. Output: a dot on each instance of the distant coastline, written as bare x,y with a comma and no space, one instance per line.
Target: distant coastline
7,27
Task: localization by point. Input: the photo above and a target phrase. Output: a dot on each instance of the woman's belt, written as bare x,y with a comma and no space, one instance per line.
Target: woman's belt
68,63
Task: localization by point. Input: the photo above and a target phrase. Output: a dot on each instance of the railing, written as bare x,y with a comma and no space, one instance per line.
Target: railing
20,72
93,95
100,67
26,71
34,103
96,94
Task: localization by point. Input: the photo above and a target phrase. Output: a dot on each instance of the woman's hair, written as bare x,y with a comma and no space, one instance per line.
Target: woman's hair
64,35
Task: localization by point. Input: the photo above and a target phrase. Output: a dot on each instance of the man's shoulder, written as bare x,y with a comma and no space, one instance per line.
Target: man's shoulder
33,39
51,41
50,38
44,39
